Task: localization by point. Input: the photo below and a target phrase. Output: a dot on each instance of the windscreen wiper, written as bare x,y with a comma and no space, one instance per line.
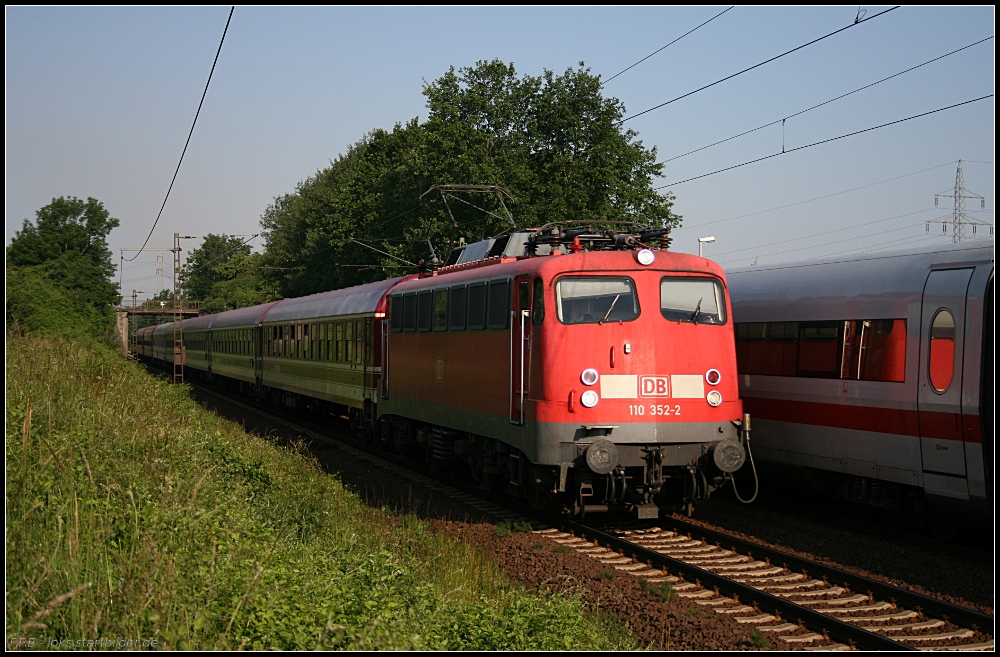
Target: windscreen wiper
610,309
697,311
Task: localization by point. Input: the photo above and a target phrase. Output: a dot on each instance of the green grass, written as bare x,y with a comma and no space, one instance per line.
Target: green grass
134,514
758,640
665,591
505,529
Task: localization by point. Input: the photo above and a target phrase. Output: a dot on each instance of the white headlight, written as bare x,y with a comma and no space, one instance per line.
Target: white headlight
645,257
589,376
714,398
589,399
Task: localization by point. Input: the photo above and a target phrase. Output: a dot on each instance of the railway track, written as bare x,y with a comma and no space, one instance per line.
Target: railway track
792,602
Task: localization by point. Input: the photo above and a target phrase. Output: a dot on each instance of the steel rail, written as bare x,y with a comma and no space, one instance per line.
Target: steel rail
817,621
956,613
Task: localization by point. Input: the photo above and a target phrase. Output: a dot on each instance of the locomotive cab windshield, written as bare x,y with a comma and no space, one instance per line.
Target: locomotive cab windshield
595,300
695,300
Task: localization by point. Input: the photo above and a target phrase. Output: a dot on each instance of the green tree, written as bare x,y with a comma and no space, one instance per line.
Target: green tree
223,273
59,270
553,141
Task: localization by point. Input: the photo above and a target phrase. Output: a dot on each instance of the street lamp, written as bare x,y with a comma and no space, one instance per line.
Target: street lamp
702,240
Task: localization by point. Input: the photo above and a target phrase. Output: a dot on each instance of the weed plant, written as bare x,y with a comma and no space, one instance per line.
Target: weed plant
135,515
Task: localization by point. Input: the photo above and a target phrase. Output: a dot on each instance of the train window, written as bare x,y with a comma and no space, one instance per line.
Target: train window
538,303
771,349
883,350
358,342
368,340
340,341
695,300
498,314
395,310
820,349
349,341
942,351
409,312
456,308
329,342
594,300
425,310
477,306
441,310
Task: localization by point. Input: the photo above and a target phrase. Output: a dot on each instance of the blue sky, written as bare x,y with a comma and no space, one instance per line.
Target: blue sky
99,102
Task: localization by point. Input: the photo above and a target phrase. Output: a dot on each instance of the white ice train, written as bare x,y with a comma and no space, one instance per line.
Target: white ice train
875,372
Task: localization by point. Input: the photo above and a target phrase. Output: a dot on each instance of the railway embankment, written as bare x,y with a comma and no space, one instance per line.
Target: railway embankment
136,518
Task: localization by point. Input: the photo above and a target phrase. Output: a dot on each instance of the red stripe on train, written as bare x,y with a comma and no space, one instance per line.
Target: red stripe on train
944,426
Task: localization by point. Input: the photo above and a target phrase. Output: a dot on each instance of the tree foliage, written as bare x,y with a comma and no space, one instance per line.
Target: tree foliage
59,270
223,273
553,141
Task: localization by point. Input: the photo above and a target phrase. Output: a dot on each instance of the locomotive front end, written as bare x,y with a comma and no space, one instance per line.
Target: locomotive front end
635,389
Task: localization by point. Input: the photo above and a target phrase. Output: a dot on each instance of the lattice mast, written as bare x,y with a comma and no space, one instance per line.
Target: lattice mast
959,219
178,315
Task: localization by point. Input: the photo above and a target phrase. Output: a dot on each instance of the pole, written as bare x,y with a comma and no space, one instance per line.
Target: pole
178,326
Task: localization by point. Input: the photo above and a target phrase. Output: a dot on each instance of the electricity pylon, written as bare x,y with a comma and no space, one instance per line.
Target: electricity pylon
959,219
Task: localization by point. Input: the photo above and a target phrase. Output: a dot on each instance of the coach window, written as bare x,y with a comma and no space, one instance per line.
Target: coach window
349,341
441,310
358,342
368,340
425,310
477,306
596,299
395,310
409,312
883,350
339,342
499,304
538,303
942,351
820,349
456,308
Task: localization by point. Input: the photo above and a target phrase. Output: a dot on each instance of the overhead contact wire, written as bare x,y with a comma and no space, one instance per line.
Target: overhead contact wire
190,132
826,102
729,77
817,198
666,46
825,141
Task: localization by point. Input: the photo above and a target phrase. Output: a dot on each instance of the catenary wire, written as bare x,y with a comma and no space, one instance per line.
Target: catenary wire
829,232
817,198
190,132
666,46
825,102
850,250
825,141
846,239
729,77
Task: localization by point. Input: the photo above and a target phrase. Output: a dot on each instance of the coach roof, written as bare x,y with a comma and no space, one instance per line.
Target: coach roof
349,301
241,317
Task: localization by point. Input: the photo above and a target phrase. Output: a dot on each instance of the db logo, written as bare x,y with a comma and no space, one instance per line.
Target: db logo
654,386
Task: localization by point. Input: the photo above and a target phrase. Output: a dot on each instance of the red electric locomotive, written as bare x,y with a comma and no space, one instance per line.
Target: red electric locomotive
575,368
569,366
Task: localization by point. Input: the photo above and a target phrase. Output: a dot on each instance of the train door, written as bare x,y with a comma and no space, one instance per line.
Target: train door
385,328
257,357
939,395
520,328
987,404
